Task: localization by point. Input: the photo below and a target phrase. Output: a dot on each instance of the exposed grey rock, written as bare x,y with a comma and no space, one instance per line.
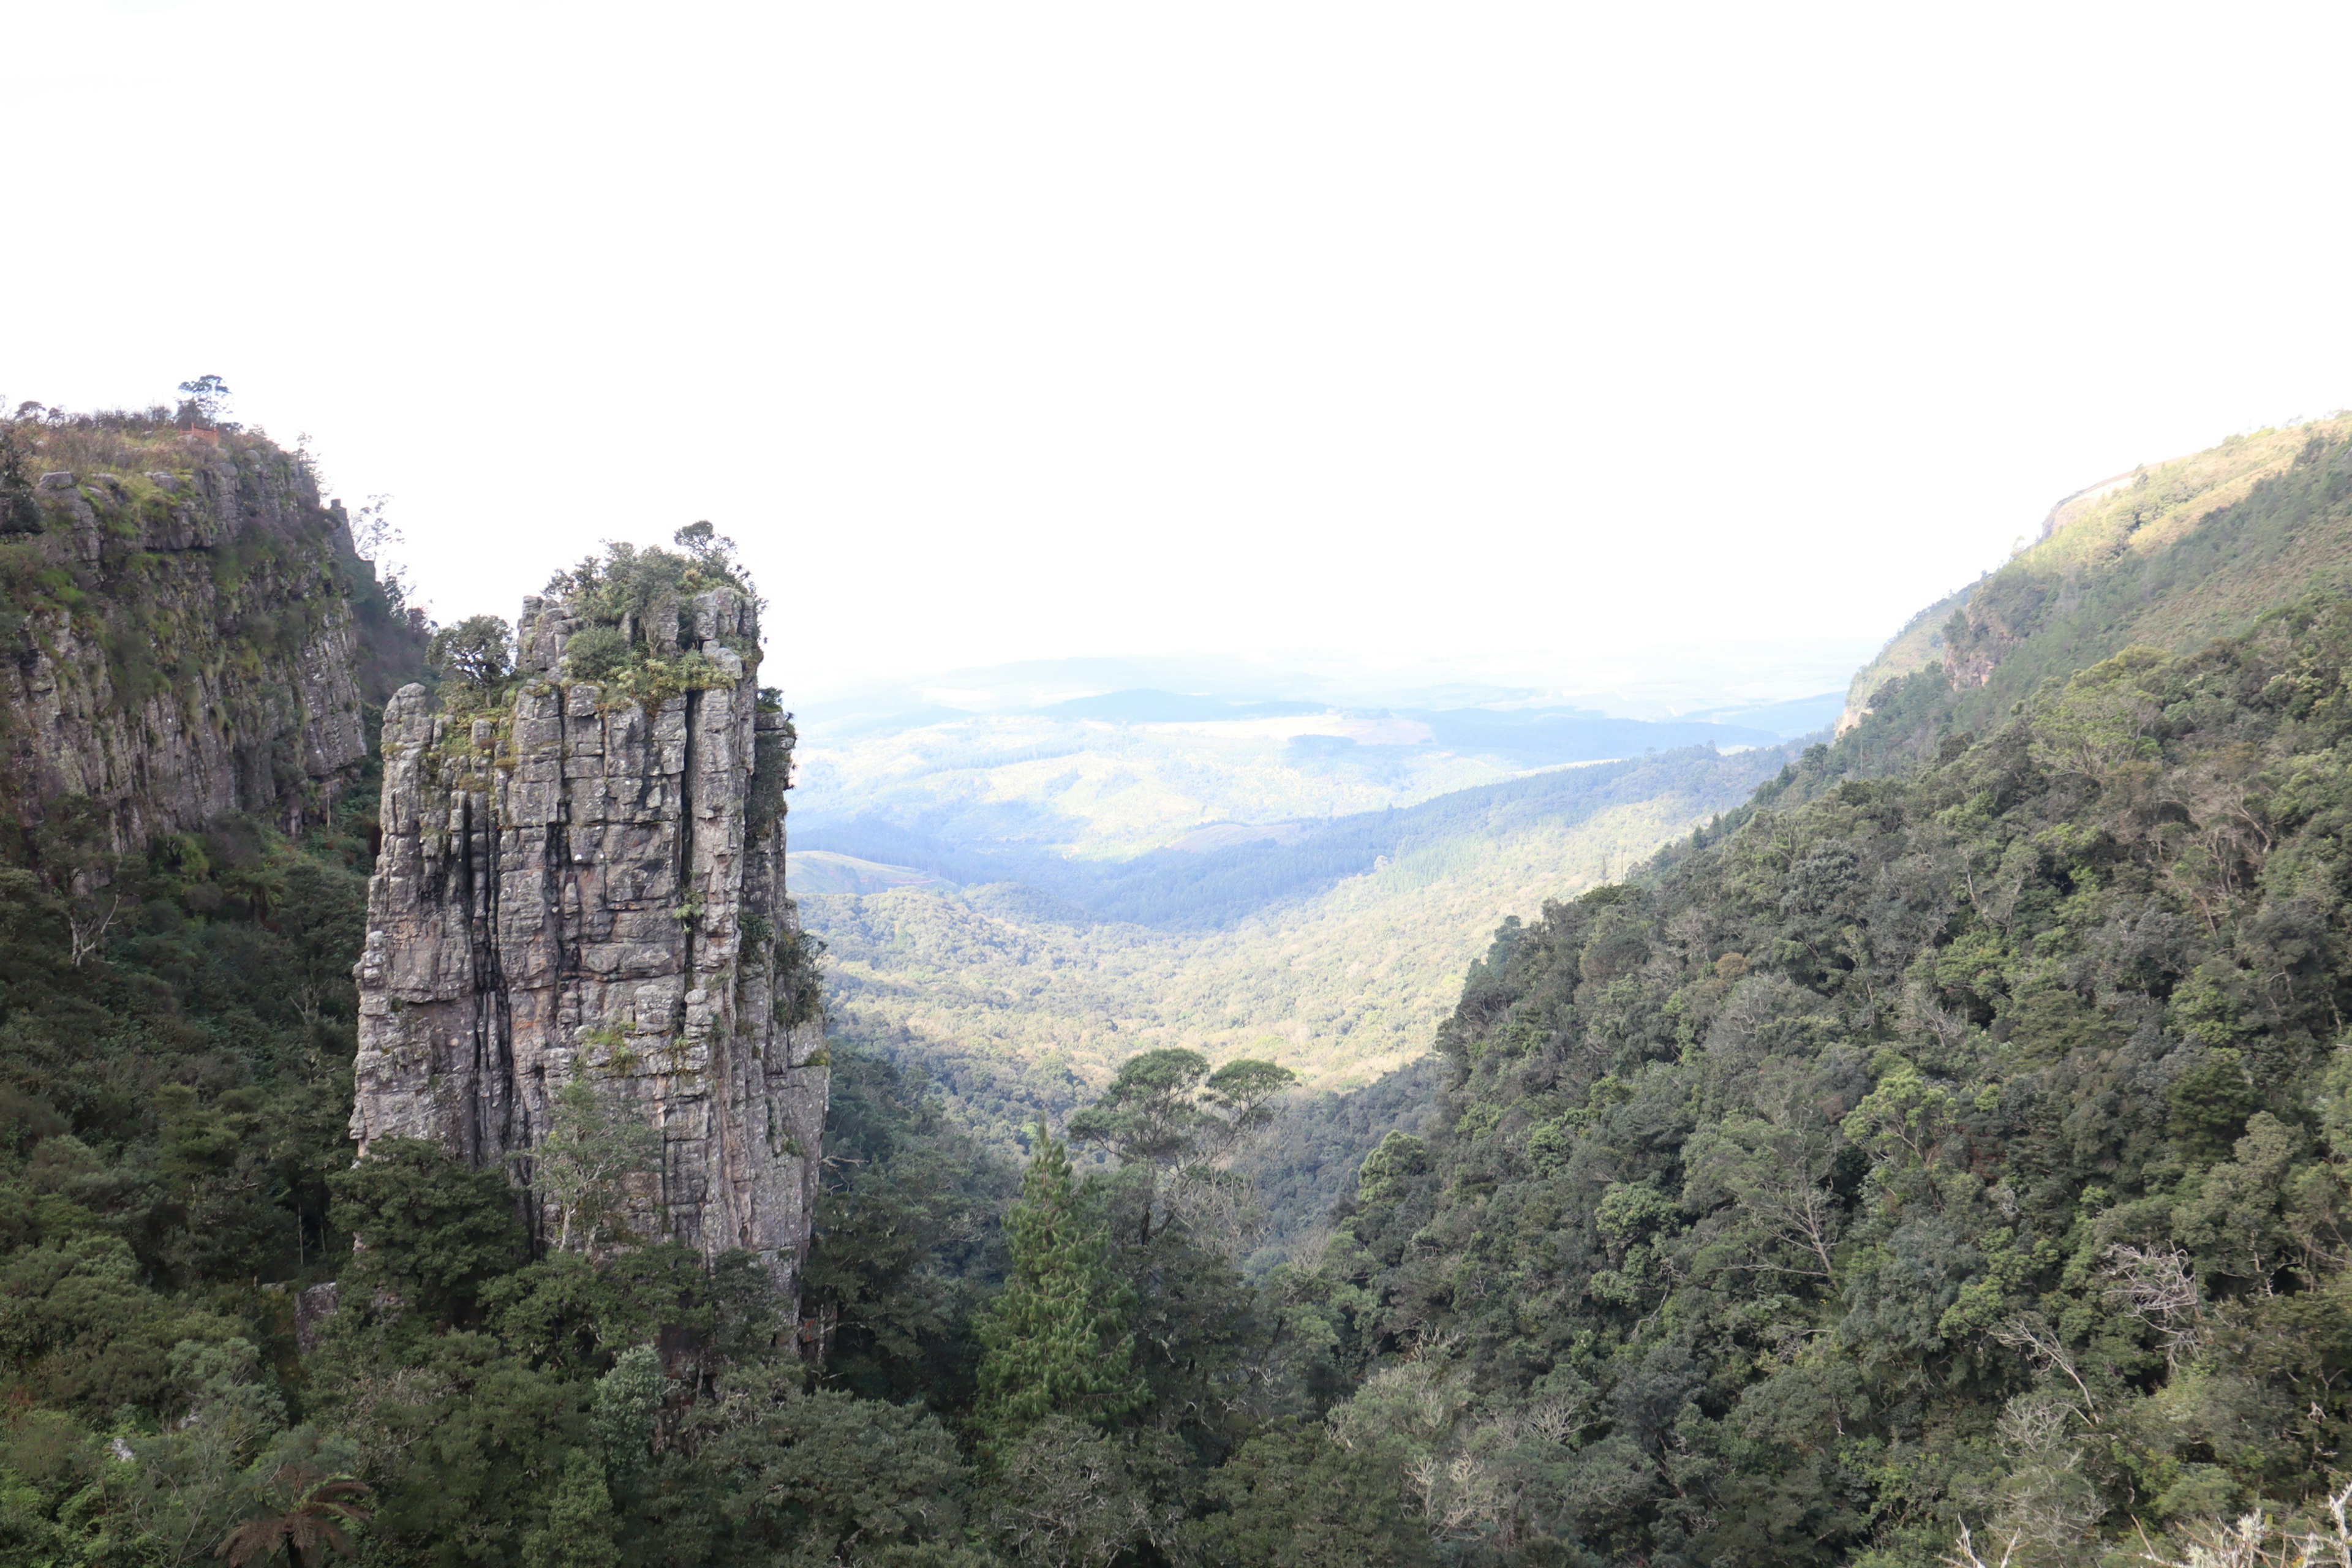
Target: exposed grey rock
209,666
572,886
312,1307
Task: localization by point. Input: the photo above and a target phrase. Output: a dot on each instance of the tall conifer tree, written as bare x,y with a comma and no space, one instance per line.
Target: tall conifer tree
1057,1340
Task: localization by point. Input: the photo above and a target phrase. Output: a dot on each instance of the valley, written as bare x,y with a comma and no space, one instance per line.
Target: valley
982,927
1240,1126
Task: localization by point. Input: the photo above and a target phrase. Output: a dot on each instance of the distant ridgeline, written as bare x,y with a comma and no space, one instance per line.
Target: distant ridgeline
1958,1136
1184,889
189,633
1537,738
1336,946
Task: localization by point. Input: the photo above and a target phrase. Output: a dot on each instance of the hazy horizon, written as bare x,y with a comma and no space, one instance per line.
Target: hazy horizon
1529,337
1671,682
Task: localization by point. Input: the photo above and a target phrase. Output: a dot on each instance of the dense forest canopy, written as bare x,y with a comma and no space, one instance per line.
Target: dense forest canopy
1965,1146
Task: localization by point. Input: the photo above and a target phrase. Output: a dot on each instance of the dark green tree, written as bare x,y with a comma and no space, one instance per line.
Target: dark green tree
1292,1497
580,1524
1166,1113
628,1408
478,653
820,1477
909,1237
431,1230
1056,1339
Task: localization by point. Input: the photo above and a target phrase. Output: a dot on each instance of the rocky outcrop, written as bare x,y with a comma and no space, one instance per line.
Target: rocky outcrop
571,884
177,638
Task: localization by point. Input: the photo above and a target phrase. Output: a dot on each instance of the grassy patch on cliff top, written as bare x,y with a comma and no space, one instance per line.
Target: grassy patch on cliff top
2179,553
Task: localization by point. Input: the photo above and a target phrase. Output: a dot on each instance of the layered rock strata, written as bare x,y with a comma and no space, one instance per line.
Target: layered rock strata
179,641
570,885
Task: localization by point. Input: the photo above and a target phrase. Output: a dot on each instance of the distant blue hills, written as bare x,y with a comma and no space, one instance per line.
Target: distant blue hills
1178,890
1539,737
1146,706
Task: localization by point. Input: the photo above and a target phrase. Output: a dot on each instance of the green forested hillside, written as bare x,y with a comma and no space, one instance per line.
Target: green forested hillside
1968,1147
1308,1163
1018,1002
1220,877
2175,555
1944,1156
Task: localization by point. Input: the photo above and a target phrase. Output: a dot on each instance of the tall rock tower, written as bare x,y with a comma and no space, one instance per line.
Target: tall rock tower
585,876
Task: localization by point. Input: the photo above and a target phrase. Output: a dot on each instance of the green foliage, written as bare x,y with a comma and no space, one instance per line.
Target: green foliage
819,1471
1957,1146
1166,1108
464,1442
433,1230
628,1407
477,656
771,774
624,587
1294,1498
638,641
19,512
171,1107
1065,1495
580,1524
909,1240
596,1145
799,983
596,653
1299,1173
1056,1339
651,680
1151,1113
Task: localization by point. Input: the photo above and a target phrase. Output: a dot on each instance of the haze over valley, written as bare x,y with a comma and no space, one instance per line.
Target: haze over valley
1017,898
1272,786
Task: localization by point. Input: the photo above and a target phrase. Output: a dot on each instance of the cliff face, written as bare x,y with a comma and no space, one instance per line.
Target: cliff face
176,634
586,877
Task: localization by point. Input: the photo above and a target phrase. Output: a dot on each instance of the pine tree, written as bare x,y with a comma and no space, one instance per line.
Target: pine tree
1057,1340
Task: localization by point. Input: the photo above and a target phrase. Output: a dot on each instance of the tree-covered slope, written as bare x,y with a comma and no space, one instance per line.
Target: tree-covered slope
2168,557
1019,1002
1968,1146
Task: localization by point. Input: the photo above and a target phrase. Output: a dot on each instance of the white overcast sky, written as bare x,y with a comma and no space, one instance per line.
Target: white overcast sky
1506,335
